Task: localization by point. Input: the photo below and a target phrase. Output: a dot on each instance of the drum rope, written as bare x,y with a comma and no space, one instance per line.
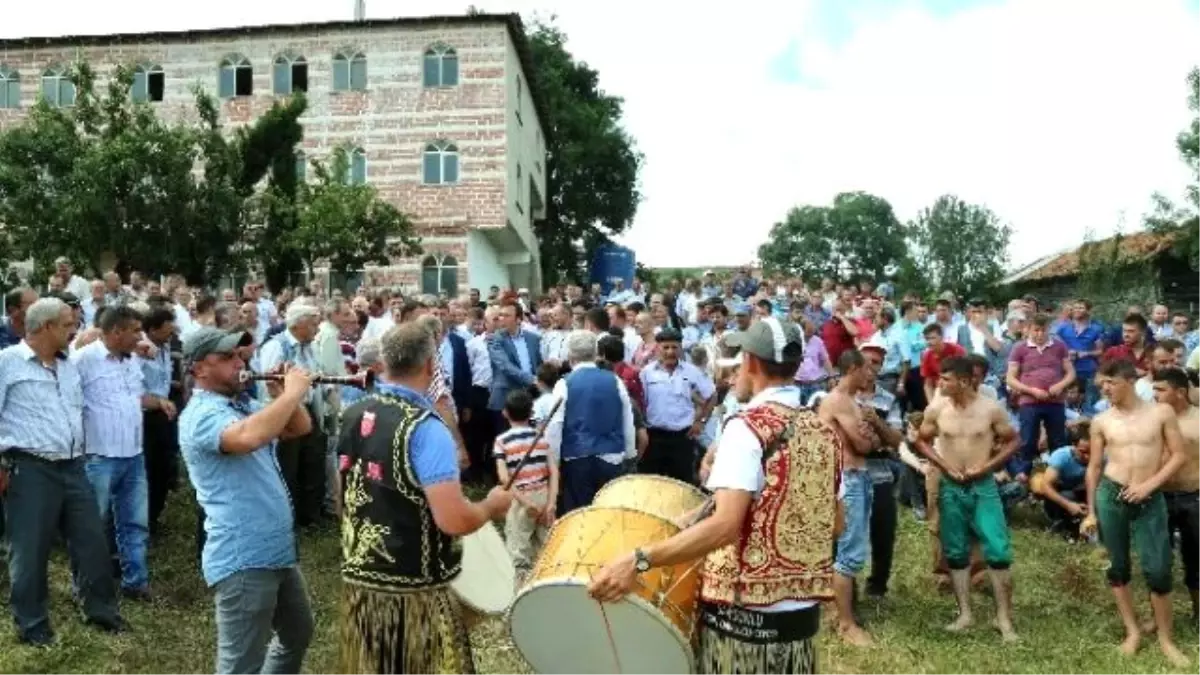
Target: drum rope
612,640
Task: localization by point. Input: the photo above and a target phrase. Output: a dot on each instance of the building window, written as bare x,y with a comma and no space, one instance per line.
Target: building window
149,83
520,87
290,75
440,163
441,66
10,88
236,77
301,167
439,275
349,71
57,88
358,168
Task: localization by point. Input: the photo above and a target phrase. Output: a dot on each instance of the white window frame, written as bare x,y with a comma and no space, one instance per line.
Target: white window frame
439,264
443,149
145,70
233,63
290,61
347,59
442,51
62,77
9,77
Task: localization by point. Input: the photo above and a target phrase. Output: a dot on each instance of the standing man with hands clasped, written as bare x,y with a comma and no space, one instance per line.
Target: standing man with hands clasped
1136,448
264,620
968,428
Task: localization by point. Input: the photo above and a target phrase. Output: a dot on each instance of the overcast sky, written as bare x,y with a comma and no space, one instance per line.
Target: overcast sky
1060,115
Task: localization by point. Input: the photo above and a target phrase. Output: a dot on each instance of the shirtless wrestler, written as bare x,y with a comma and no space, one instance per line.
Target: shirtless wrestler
1144,449
1182,490
863,431
968,428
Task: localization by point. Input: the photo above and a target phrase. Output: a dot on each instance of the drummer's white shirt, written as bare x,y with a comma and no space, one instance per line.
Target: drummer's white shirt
737,465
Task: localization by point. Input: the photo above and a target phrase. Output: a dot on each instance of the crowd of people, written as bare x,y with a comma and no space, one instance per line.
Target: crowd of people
958,411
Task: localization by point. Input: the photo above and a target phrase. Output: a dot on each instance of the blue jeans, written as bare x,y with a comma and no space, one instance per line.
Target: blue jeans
1032,418
121,491
854,544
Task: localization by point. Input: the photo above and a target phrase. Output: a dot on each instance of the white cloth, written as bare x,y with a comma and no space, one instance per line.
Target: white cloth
737,464
377,326
480,361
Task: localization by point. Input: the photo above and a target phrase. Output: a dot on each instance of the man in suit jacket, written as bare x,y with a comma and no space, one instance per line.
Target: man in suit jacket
515,356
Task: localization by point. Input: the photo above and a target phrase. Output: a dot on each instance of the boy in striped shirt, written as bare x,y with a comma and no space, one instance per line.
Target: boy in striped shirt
535,490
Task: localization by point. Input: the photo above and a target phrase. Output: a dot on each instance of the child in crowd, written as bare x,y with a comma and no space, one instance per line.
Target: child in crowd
535,489
547,377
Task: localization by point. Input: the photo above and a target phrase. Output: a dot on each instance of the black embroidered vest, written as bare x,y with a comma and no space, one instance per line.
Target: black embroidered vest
389,539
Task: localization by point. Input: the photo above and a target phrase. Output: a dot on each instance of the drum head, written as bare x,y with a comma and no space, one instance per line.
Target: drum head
558,628
487,578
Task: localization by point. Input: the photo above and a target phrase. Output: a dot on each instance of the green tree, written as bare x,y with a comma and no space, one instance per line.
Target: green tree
960,246
592,163
1166,218
347,226
859,235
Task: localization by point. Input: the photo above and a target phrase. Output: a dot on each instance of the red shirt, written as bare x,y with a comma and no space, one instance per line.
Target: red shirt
836,338
1126,353
633,383
931,361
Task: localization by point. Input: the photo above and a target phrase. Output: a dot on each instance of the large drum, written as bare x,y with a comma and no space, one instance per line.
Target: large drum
558,628
659,495
486,582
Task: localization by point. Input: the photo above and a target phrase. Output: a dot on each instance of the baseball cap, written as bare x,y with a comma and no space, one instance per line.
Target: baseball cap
1015,315
741,308
876,343
206,340
768,339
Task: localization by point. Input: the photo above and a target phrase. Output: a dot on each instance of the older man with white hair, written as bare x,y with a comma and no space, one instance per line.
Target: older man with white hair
302,460
592,425
43,477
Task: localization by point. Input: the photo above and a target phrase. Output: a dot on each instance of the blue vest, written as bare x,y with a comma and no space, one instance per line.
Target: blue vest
593,422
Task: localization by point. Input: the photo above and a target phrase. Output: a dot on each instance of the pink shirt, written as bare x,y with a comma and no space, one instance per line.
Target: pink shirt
1039,366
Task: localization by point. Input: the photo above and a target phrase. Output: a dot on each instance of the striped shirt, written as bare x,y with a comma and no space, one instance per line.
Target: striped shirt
112,401
41,408
511,447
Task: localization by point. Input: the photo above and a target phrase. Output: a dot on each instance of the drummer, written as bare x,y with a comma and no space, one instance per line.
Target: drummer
759,618
399,523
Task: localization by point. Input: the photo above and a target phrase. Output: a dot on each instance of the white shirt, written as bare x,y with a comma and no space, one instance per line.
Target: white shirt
737,465
978,342
79,287
377,326
554,428
554,345
480,361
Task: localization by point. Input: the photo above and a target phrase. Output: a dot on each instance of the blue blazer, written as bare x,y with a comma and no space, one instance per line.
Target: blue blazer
506,366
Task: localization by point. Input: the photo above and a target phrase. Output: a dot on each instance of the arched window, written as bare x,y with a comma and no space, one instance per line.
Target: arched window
301,167
440,163
236,77
149,83
289,75
358,168
440,66
349,71
10,88
439,274
57,87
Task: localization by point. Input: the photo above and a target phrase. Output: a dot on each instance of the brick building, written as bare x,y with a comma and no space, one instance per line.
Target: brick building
438,111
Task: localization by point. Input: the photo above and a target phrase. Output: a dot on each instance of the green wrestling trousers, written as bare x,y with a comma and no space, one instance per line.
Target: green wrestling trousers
973,507
1145,526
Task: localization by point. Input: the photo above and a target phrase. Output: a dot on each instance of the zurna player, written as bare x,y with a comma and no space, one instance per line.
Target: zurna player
761,585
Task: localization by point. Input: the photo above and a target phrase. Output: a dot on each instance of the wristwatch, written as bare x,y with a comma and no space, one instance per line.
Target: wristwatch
641,561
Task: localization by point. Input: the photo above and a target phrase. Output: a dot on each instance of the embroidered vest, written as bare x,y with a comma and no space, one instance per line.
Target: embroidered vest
389,539
785,551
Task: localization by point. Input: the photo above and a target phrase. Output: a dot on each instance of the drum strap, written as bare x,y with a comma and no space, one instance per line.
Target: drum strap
748,625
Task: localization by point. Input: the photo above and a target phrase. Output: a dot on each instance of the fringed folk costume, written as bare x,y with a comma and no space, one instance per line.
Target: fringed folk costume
400,615
783,560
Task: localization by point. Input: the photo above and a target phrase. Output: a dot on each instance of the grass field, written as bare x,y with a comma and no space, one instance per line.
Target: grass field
1064,613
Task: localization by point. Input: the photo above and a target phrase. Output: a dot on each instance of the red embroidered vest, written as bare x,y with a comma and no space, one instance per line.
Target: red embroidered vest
785,551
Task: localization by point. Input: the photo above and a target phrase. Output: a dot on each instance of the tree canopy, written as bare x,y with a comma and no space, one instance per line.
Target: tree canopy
959,246
108,180
857,236
592,163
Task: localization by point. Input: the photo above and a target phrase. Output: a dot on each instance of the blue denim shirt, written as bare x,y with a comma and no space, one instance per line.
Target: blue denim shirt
248,514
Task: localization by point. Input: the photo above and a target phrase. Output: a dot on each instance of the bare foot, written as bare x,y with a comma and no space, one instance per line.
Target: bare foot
855,636
1007,632
1172,653
1133,641
960,624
